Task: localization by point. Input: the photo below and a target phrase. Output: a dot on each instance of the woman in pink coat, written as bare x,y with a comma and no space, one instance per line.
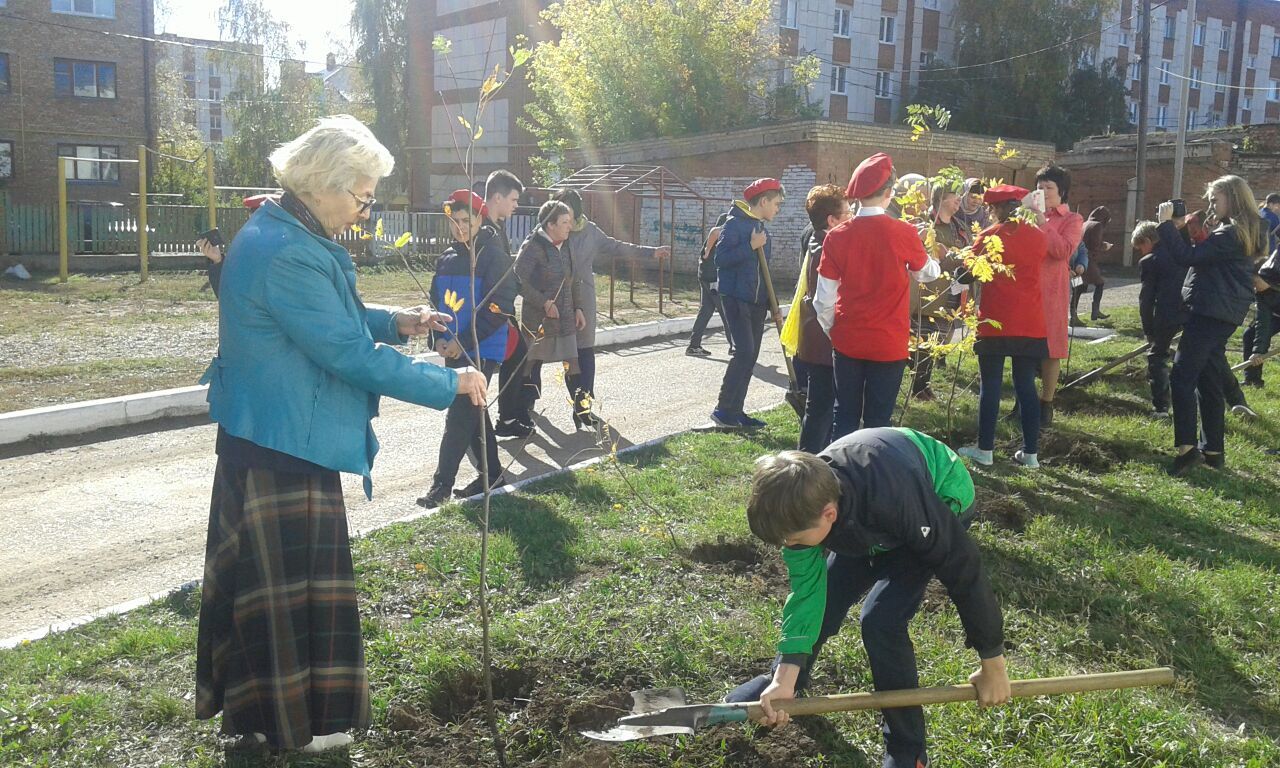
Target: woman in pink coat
1064,230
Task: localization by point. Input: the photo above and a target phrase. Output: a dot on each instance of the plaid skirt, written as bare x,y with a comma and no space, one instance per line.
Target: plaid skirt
279,650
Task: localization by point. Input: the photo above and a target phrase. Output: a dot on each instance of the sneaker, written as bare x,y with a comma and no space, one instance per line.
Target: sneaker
435,497
1186,462
978,455
327,742
1215,460
1244,412
751,423
727,420
697,352
1028,460
513,428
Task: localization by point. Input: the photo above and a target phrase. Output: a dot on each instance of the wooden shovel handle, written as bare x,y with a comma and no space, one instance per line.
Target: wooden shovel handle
1045,686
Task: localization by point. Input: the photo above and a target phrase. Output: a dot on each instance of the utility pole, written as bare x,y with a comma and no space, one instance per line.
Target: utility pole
1180,153
1144,80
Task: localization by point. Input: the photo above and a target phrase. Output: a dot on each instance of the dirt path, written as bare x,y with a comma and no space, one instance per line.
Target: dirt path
92,526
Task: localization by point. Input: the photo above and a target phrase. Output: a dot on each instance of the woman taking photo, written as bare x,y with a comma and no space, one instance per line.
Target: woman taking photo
301,364
1217,294
1011,324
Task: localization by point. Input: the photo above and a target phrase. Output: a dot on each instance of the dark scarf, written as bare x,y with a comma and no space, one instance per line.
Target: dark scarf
302,213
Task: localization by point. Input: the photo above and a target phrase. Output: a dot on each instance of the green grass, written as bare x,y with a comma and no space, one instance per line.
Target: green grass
1101,562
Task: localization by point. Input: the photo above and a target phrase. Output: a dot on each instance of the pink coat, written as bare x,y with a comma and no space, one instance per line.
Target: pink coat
1064,230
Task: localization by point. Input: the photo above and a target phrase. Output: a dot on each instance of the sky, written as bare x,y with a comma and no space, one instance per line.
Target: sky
314,22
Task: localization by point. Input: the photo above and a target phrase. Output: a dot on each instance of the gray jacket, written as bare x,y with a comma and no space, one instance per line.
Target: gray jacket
586,243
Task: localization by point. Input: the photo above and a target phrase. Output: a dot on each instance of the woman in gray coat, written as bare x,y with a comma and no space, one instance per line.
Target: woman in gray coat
586,242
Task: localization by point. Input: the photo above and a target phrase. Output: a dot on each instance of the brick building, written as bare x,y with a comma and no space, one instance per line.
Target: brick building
67,89
801,154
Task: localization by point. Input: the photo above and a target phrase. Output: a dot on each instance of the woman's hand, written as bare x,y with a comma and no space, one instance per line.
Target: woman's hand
471,383
579,319
550,310
420,320
210,251
1164,212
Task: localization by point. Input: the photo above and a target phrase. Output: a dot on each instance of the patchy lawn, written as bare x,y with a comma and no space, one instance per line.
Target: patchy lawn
1100,560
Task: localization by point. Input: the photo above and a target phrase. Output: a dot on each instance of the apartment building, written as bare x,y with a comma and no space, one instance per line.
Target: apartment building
210,72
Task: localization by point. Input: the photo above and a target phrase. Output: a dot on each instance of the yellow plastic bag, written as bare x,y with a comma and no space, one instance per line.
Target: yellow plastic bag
790,336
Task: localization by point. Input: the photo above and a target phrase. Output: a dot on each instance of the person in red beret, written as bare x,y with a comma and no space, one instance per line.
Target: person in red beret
863,299
1011,325
1064,230
743,294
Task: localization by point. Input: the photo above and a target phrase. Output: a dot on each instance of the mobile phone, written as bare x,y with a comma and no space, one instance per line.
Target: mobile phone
214,237
1179,208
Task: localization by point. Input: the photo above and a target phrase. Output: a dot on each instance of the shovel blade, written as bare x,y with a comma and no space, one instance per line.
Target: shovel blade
653,699
642,702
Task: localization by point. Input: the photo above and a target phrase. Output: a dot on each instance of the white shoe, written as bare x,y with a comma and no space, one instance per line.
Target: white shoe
1244,412
329,741
978,455
1028,460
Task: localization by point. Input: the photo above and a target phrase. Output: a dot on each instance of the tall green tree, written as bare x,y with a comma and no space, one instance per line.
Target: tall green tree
382,51
1050,96
176,136
625,70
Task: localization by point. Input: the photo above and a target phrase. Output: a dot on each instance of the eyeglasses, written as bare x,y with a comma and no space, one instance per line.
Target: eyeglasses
364,204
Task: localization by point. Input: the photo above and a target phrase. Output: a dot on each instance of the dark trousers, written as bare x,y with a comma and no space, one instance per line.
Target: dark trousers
893,585
582,385
710,303
1158,367
1196,383
1078,291
462,433
510,382
530,389
991,369
745,324
819,407
928,329
1251,342
866,392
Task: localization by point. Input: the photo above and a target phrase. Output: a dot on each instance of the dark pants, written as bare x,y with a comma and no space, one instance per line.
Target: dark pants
926,329
462,434
1078,291
866,392
893,585
991,368
510,382
1196,382
710,303
530,389
582,385
1253,374
745,324
1158,367
819,408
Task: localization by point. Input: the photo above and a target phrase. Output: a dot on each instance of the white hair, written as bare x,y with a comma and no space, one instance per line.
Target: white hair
333,155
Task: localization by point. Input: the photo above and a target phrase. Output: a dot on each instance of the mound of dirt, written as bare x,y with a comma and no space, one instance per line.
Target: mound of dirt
1089,455
1008,511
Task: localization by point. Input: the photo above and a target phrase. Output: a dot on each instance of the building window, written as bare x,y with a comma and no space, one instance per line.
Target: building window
926,58
1252,62
1162,114
89,79
1248,103
1275,46
103,9
84,171
1170,27
1124,38
1133,112
838,79
1088,56
1191,120
1275,90
884,86
930,4
1195,75
1225,42
1164,72
215,124
789,13
1135,70
215,89
888,26
4,71
841,26
6,155
1197,37
1220,84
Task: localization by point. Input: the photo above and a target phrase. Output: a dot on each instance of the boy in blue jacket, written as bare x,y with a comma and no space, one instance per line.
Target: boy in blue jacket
485,301
743,294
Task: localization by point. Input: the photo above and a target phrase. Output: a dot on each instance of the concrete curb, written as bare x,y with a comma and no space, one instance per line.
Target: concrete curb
92,415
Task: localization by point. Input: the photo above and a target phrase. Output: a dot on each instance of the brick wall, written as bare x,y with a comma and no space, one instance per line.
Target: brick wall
37,121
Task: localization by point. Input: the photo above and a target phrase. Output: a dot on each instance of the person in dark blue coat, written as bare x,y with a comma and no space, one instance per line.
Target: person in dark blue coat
1217,293
1160,307
480,296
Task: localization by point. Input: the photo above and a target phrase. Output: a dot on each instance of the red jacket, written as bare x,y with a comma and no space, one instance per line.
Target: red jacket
1014,300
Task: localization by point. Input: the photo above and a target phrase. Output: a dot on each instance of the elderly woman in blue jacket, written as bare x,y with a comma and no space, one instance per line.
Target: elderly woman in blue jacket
302,362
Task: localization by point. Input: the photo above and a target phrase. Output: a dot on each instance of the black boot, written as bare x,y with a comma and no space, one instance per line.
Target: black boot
1076,293
1097,304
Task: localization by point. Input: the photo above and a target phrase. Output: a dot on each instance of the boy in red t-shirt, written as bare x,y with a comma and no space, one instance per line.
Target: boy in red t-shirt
863,299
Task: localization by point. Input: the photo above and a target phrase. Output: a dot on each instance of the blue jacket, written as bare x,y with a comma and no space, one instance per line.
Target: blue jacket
1080,259
494,286
738,265
302,361
1272,222
1160,299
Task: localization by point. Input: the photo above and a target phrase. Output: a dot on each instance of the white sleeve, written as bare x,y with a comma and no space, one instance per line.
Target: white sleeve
929,272
824,302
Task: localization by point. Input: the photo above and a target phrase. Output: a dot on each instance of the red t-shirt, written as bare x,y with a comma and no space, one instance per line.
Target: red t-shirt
869,256
1015,300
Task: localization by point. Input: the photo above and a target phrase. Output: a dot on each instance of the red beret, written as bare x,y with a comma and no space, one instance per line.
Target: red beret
1004,192
870,176
760,186
467,196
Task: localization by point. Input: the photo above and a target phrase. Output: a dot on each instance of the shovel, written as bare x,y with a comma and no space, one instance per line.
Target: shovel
795,396
671,715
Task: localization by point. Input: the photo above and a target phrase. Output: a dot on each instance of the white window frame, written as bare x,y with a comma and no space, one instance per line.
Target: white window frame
1191,119
839,80
840,24
927,58
1252,62
1220,84
1275,91
1165,67
884,85
7,144
1170,26
1133,112
1124,38
787,13
1135,70
100,9
111,170
1225,39
888,29
1197,36
1162,114
1247,102
930,4
1195,75
1275,47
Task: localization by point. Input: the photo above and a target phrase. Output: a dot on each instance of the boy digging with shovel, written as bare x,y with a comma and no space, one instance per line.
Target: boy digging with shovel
892,507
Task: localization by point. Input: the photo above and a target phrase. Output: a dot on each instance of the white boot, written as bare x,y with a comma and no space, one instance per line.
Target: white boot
329,741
